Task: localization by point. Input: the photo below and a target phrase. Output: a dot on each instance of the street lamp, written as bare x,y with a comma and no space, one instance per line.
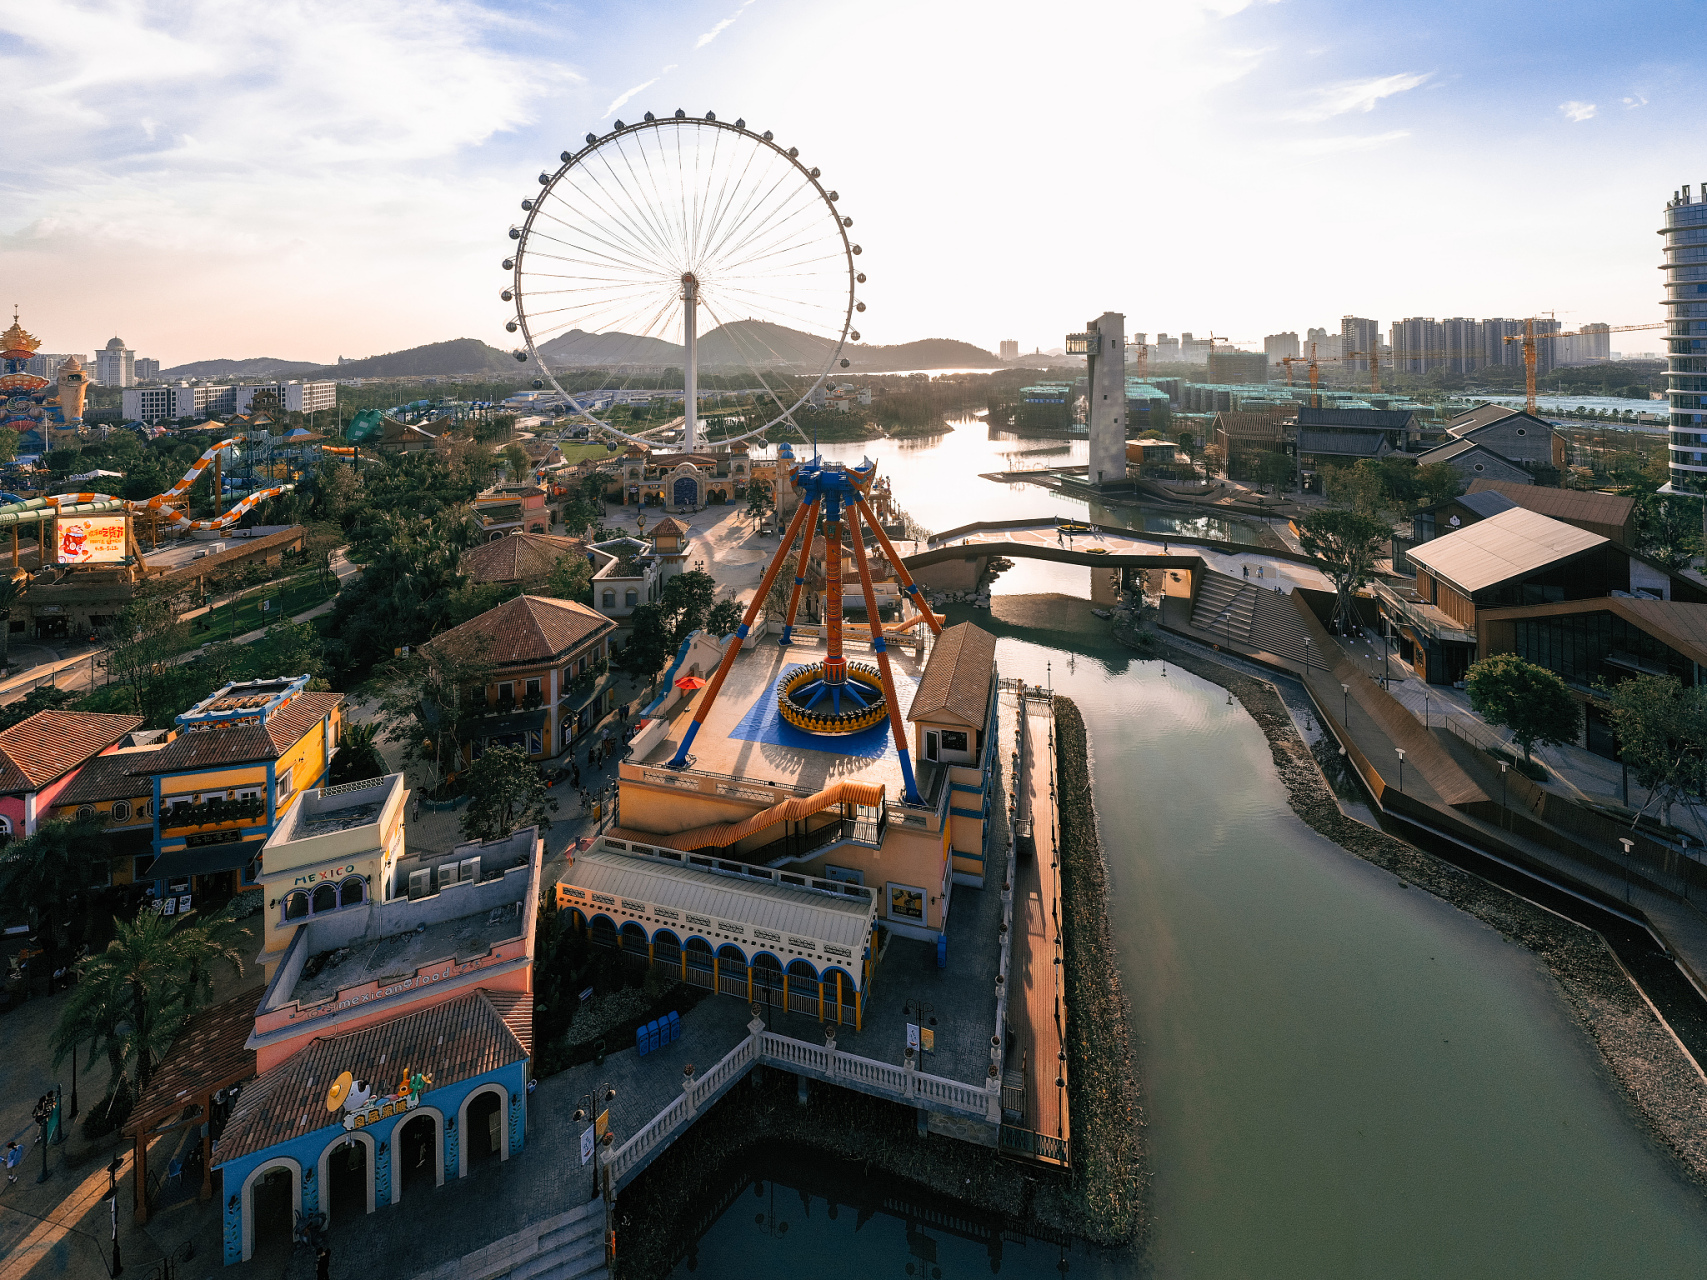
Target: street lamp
1401,752
113,1197
588,1110
41,1115
1626,841
1346,709
1504,812
1306,659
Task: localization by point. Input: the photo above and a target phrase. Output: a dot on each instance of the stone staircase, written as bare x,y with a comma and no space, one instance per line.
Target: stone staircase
1225,607
565,1246
1232,610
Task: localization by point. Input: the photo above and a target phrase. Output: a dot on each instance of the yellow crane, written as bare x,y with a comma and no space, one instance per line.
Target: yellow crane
1529,338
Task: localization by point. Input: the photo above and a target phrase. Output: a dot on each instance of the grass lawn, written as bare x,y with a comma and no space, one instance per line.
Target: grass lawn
194,680
579,452
283,600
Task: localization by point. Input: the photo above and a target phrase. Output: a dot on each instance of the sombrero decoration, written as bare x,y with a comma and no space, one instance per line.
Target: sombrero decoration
339,1091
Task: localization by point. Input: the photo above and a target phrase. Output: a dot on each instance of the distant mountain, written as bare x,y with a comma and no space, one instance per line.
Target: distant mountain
459,355
578,347
927,353
258,367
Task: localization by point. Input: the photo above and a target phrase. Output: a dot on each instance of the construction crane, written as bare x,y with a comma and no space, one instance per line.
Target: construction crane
1289,361
1143,361
1529,338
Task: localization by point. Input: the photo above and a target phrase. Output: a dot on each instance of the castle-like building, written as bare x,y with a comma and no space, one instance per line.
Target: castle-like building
53,410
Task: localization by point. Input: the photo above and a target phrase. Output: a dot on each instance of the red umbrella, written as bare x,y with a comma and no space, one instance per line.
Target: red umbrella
687,684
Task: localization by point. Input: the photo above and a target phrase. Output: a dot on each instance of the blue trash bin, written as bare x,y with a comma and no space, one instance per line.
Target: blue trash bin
640,1041
675,1025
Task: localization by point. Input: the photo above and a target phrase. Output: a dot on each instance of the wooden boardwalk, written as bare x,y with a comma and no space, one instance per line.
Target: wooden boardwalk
1037,1009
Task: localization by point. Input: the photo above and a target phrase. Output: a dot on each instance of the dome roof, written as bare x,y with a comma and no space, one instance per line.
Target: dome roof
16,344
116,344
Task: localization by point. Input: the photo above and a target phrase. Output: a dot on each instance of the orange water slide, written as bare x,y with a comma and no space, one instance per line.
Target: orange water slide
720,835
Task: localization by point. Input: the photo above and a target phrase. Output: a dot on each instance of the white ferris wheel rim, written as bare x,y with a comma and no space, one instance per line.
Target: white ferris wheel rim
646,232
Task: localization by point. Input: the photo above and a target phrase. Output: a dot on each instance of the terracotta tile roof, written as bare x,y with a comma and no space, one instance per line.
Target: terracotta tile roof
527,629
50,744
669,524
111,777
453,1041
282,731
519,557
516,1009
207,1056
957,678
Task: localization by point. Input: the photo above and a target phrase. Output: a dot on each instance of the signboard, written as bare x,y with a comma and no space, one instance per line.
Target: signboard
927,1039
601,1126
586,1144
913,1035
91,540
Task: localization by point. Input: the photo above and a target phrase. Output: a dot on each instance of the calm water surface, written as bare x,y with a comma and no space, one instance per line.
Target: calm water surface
1342,1077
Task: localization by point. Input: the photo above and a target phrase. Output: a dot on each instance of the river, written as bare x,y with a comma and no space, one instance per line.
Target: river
1342,1077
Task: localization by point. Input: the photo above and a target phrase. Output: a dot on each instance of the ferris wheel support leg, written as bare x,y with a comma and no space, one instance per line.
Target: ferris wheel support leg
680,759
880,647
690,367
810,510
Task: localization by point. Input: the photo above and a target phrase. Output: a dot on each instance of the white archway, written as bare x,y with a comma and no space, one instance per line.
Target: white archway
248,1202
503,1126
438,1118
325,1165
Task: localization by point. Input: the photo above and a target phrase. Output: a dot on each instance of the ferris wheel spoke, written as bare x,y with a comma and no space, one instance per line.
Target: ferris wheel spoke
655,246
763,237
723,202
761,198
638,254
635,264
643,209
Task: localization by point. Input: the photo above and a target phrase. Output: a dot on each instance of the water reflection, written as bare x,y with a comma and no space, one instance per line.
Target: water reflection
790,1213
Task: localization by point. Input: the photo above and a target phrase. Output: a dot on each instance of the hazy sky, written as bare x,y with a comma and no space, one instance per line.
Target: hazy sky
304,179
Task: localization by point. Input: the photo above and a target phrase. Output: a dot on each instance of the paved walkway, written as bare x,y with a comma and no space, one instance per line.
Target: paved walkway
1037,1011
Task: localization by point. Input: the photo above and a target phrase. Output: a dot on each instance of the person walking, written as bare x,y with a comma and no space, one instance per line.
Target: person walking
323,1264
574,773
14,1153
1247,571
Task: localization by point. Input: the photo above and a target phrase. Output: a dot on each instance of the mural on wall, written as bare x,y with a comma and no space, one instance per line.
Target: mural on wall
516,1127
362,1108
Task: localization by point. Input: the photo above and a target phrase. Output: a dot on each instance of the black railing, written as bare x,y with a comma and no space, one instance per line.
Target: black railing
864,830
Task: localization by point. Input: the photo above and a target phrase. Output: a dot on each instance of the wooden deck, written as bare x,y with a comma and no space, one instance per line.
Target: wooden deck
1037,1010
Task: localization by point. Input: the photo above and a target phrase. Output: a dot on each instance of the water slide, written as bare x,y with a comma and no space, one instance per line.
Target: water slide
87,504
720,835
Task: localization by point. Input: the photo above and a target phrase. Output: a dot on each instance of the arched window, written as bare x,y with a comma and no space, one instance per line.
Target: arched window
296,906
352,891
609,598
121,810
145,809
325,899
5,829
631,598
85,811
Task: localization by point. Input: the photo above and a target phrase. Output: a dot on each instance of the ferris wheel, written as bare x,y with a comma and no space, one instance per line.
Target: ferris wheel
683,243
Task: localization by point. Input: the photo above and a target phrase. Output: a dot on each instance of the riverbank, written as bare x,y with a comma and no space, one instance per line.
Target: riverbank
1109,1154
1656,1078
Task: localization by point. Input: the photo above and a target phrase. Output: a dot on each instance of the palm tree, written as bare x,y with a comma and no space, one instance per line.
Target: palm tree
200,948
93,1015
52,867
358,755
144,967
11,594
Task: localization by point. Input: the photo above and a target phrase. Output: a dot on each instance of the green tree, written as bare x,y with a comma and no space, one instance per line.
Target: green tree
358,755
8,444
648,646
11,595
94,1011
571,578
1437,482
1662,736
686,600
507,792
1528,699
724,617
516,458
42,698
1344,545
427,702
758,499
47,870
1668,530
1273,469
141,643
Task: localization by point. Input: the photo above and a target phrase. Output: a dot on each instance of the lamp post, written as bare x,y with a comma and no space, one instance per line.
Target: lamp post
588,1111
113,1202
1401,752
1626,841
1306,659
41,1115
1346,708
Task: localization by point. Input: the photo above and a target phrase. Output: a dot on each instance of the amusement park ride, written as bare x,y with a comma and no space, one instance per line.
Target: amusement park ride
833,697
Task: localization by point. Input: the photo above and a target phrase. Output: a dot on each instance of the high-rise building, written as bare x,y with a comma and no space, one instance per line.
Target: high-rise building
1685,265
1103,344
1010,349
147,370
1591,344
1328,345
1277,346
1359,340
1495,348
1164,350
1227,366
115,365
1417,345
1461,339
45,365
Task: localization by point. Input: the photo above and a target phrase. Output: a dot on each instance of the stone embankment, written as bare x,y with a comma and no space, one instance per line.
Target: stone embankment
1658,1078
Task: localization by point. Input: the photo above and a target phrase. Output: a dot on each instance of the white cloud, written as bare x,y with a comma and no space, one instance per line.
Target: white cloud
622,98
1577,112
1356,95
1369,142
1634,101
721,27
